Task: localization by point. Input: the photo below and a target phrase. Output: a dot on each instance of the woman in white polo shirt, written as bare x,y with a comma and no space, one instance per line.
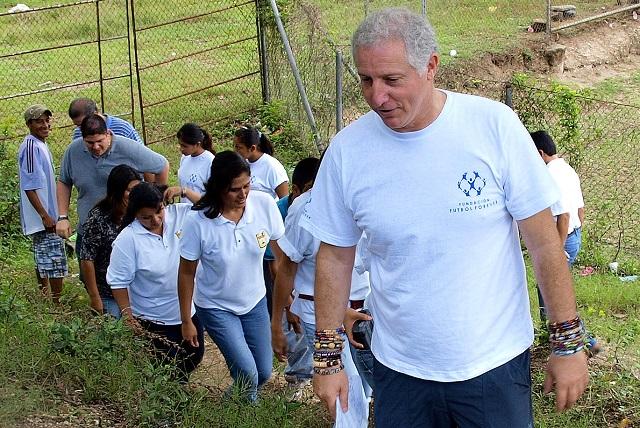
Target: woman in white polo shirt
143,275
227,234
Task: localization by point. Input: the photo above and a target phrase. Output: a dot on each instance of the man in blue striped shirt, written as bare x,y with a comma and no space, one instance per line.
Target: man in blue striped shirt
82,107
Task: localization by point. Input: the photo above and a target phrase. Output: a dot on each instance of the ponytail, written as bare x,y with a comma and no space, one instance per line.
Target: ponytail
207,142
249,136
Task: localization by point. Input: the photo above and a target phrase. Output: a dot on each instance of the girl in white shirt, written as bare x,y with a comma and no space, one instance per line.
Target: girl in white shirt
225,237
143,275
267,173
197,151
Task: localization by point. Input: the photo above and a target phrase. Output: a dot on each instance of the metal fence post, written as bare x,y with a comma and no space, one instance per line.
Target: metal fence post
548,29
135,52
424,8
262,54
508,95
296,75
132,96
99,39
339,68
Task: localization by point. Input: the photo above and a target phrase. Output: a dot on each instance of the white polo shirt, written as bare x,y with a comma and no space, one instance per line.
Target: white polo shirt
230,276
147,266
267,173
194,172
302,247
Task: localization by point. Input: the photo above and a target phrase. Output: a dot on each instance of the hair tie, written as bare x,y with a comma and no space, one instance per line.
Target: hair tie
259,134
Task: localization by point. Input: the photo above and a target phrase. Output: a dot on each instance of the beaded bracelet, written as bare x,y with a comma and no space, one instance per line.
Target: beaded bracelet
567,337
327,353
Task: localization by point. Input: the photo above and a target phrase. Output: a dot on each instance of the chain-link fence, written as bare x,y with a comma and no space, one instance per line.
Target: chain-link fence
158,64
562,16
54,54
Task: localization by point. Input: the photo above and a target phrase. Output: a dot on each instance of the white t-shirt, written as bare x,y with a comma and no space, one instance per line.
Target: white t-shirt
438,206
570,191
267,173
194,172
147,266
229,274
302,247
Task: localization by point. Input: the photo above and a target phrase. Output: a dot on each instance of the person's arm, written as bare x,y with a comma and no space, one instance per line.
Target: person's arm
562,226
63,196
48,222
89,277
282,289
568,374
282,190
186,276
581,216
121,296
163,176
331,293
175,191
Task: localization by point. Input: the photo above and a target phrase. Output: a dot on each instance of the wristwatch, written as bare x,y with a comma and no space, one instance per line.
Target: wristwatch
63,217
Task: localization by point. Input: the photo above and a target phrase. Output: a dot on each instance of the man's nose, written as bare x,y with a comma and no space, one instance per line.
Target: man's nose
379,93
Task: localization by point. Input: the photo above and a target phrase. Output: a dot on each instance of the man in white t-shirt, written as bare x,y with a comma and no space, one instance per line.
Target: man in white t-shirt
571,214
441,183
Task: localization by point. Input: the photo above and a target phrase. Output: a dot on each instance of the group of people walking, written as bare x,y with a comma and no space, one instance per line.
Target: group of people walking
416,214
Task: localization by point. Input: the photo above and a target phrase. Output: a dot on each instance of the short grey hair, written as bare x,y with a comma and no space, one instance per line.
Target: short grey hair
400,24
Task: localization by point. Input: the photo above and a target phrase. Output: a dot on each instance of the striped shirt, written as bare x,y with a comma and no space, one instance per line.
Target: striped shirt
117,126
35,167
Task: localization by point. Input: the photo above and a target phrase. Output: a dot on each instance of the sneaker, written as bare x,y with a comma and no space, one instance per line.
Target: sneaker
592,345
300,391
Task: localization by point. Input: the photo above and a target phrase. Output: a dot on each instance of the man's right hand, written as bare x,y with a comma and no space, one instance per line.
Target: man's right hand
48,222
63,228
330,387
190,333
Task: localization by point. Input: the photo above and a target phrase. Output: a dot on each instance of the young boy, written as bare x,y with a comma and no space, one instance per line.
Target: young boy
38,206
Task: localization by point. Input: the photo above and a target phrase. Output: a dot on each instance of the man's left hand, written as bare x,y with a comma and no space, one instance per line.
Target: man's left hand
569,376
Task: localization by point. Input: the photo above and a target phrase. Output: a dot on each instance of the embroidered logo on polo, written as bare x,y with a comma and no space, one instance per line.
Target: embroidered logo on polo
472,184
262,238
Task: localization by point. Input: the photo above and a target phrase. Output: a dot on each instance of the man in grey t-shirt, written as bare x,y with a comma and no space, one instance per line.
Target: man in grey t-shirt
87,163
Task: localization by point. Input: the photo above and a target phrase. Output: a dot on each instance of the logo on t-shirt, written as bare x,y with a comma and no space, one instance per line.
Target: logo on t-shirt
472,184
262,238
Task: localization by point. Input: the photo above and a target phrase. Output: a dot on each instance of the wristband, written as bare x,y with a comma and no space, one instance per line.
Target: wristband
63,217
183,192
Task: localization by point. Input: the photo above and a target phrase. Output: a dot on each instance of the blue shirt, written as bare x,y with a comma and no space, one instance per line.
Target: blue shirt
117,126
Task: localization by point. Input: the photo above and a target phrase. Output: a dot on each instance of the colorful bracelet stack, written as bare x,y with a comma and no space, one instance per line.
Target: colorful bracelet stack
567,337
327,353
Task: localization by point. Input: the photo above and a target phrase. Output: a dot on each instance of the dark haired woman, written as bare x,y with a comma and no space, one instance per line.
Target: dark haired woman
143,274
267,173
227,234
100,230
197,151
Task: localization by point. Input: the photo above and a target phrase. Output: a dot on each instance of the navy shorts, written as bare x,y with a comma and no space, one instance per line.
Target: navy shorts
498,398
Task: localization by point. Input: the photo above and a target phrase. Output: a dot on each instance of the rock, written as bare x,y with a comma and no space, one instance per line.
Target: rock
564,11
555,56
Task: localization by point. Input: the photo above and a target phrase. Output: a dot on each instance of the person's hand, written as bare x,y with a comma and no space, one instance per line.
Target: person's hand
172,193
63,228
293,321
49,223
350,317
329,387
134,325
279,343
96,304
190,333
569,376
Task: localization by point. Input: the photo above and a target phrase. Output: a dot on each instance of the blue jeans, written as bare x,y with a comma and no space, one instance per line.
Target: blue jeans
499,398
364,360
110,307
299,355
572,245
245,343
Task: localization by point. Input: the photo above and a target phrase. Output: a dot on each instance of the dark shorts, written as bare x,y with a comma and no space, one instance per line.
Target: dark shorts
499,398
49,255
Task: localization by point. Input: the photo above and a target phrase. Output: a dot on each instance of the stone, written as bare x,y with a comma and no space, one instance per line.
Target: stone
555,56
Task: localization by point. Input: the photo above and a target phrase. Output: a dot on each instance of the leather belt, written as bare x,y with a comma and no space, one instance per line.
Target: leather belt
353,304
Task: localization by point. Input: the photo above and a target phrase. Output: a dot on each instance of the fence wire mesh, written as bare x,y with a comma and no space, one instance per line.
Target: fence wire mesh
175,60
